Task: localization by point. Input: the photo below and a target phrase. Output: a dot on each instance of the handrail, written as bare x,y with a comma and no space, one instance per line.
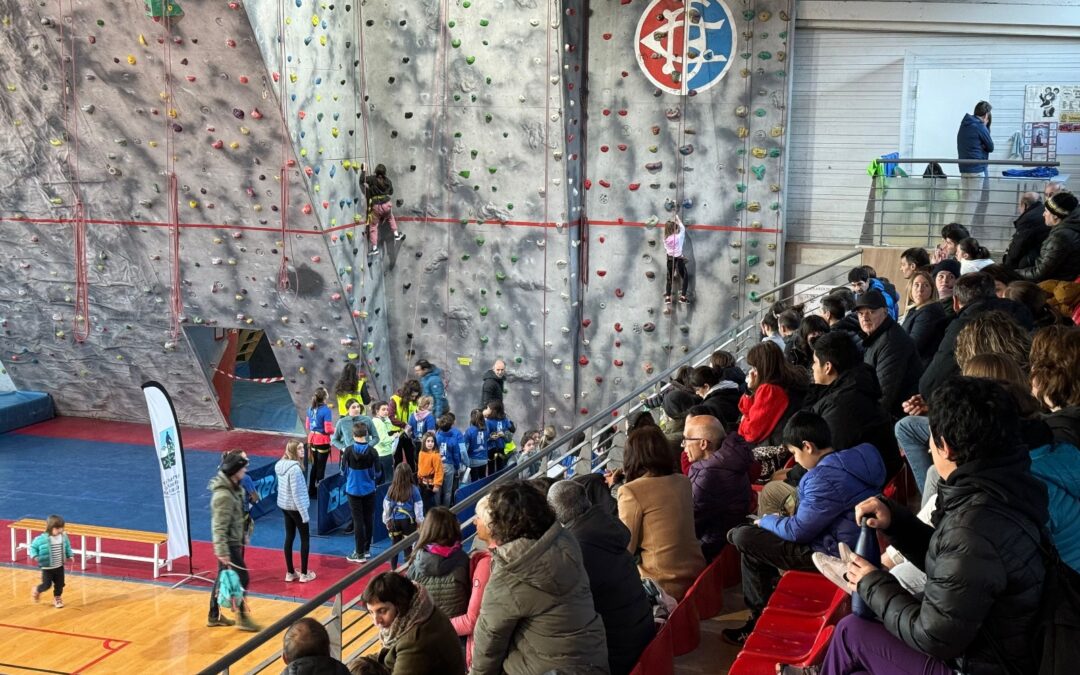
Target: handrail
221,665
953,160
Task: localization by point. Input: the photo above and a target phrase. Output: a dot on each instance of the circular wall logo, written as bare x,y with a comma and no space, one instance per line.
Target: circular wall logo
685,45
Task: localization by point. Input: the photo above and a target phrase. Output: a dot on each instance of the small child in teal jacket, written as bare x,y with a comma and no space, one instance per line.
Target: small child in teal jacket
51,549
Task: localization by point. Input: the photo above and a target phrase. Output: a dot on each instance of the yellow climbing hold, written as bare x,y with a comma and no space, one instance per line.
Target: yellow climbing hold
56,201
142,40
315,20
322,40
245,130
173,113
55,142
153,144
292,78
193,204
11,87
131,59
234,145
334,132
303,152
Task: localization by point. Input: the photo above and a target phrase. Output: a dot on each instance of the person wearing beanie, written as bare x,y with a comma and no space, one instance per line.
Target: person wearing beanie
945,274
1059,257
227,532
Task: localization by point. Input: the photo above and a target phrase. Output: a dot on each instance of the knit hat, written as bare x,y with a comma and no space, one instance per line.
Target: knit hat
232,463
678,402
949,265
1062,204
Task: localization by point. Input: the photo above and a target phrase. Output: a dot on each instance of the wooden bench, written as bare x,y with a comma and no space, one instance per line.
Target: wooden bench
96,532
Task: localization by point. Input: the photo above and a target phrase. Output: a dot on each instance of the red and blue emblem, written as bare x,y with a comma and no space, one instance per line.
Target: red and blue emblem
685,45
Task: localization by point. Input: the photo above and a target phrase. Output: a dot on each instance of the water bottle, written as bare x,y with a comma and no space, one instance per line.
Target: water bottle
867,548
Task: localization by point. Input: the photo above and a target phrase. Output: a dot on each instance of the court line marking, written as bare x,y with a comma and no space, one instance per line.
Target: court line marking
105,645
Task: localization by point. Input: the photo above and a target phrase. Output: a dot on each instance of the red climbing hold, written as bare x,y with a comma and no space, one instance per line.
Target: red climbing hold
586,322
243,79
599,379
605,183
326,205
606,112
256,114
618,343
230,43
618,293
588,183
583,360
634,186
603,148
618,363
607,36
622,113
307,209
625,74
276,75
603,239
601,273
218,144
622,147
584,411
618,328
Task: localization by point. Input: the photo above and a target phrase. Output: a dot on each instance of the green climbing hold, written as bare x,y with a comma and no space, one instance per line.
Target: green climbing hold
754,297
752,260
487,80
492,169
748,14
741,187
464,174
497,291
760,112
741,152
455,43
782,35
500,276
470,60
465,256
740,205
100,22
752,243
483,310
483,291
483,339
158,8
758,171
463,221
466,4
510,207
457,134
479,241
484,22
775,152
488,117
503,325
514,258
474,153
457,97
518,359
451,24
764,56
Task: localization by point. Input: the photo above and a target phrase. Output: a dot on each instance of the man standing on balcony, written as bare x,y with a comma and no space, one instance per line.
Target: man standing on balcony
973,142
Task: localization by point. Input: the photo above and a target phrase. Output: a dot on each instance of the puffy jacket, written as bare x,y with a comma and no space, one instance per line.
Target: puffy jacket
721,489
432,385
762,411
1065,425
492,389
226,514
943,366
926,326
827,497
1031,232
723,402
973,142
538,613
445,575
292,492
1059,257
1057,464
892,354
465,624
616,587
315,665
984,570
851,408
40,551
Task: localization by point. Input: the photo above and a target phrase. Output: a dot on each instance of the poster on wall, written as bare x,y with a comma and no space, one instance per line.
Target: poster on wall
1051,121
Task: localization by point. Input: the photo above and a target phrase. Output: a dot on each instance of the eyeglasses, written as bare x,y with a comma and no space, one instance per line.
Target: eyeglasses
685,439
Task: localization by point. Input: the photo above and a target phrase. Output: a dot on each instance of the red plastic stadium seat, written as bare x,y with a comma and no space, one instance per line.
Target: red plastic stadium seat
786,637
708,591
657,658
804,593
685,628
732,566
756,664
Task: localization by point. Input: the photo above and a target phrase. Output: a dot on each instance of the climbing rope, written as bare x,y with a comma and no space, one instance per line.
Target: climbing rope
283,179
176,299
546,225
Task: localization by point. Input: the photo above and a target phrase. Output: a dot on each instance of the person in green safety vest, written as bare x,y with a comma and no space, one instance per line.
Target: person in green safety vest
351,384
403,404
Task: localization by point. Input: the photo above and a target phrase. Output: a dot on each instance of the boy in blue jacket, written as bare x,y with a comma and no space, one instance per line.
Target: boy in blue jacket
51,549
834,483
454,454
360,483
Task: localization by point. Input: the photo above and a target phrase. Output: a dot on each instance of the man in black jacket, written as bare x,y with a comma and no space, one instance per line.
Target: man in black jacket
617,592
1031,232
494,381
1059,256
982,556
889,350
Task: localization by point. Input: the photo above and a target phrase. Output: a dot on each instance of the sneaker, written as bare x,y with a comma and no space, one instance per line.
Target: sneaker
399,236
683,299
306,577
58,602
374,251
667,299
834,569
291,576
354,558
219,621
366,557
35,595
246,624
737,636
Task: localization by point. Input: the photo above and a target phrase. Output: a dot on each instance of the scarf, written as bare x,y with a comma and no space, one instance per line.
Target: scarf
419,612
421,415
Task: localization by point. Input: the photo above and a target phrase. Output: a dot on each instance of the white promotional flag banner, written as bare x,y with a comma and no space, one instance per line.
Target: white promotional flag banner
170,456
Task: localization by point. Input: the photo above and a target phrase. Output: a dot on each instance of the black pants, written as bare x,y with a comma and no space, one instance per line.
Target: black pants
478,472
712,549
236,557
398,530
363,518
319,455
52,577
293,523
677,265
427,494
405,452
763,556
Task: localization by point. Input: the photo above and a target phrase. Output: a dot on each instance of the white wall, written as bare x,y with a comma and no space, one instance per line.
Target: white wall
849,77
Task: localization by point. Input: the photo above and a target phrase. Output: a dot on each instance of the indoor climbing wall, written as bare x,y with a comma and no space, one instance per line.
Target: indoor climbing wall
686,116
153,150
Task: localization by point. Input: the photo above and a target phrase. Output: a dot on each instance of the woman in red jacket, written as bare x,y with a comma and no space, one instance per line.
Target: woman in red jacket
480,564
774,385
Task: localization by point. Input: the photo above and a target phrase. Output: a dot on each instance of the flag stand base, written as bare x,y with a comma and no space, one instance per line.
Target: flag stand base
189,577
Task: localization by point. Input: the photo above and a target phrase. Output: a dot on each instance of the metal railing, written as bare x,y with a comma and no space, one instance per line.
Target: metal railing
346,614
910,210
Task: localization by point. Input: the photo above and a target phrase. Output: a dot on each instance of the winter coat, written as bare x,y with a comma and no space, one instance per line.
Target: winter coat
445,575
226,514
432,385
926,326
852,409
428,647
537,614
492,389
40,549
827,496
659,512
892,354
850,325
887,292
720,484
984,573
617,592
762,412
1059,257
973,142
362,461
315,665
292,492
1031,232
1065,425
943,366
1057,464
723,403
465,624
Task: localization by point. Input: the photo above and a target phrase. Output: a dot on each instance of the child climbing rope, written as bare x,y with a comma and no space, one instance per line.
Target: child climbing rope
674,236
378,189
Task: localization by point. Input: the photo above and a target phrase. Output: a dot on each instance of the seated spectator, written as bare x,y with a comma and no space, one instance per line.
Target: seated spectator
367,665
890,351
945,274
776,390
836,310
306,650
719,394
1059,256
417,639
925,320
598,492
1030,295
983,561
617,592
913,259
677,407
719,480
723,362
862,283
800,351
770,330
1002,277
973,256
1055,362
834,483
1031,232
537,614
951,235
788,321
657,506
480,571
439,564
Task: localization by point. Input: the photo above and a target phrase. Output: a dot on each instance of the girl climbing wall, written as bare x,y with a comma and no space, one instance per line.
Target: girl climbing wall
674,236
378,189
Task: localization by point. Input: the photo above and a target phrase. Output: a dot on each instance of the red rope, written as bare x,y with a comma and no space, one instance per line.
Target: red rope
283,179
176,298
81,326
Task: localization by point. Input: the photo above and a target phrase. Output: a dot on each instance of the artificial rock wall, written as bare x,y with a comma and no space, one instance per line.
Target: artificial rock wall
534,164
